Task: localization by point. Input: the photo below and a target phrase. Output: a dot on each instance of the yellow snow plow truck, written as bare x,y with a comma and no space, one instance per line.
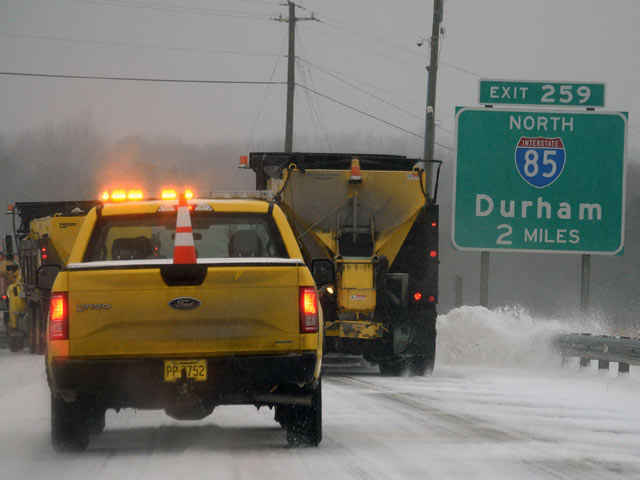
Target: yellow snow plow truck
368,227
44,234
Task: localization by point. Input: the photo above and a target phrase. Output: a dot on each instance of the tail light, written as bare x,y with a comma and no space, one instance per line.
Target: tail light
59,316
308,310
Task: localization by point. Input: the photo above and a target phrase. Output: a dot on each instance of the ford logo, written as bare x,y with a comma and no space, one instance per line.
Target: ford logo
184,303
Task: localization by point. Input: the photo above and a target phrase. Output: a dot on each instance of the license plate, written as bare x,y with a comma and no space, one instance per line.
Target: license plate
195,369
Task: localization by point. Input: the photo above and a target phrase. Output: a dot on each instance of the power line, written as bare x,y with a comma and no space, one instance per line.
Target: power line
139,79
350,29
377,52
223,82
371,94
175,8
318,114
329,71
359,111
264,98
137,45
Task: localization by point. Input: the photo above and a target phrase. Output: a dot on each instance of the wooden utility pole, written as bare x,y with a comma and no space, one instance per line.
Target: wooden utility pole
291,75
432,69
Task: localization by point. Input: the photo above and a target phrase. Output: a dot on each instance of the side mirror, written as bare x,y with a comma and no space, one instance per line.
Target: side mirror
46,275
323,271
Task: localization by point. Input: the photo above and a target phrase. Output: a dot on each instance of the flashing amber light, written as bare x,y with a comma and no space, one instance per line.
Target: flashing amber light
105,196
58,324
118,196
433,253
417,296
244,161
134,195
188,194
169,194
432,299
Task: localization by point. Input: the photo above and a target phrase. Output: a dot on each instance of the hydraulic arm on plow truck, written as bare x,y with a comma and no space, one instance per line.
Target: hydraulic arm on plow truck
369,232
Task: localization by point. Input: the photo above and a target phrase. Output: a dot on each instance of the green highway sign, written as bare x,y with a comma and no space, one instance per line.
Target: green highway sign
551,94
539,181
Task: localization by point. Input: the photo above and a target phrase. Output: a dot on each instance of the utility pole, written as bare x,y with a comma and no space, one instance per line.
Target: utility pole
291,76
432,69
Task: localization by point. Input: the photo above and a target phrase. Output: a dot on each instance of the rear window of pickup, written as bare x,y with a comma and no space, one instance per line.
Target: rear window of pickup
216,235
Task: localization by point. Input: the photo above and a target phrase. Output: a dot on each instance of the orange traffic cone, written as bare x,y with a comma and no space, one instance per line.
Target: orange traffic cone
184,249
356,176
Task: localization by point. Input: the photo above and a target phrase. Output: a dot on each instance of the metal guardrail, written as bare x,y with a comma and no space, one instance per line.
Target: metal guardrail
605,349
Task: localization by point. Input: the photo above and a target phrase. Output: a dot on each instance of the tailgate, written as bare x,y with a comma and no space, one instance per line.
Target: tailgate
250,309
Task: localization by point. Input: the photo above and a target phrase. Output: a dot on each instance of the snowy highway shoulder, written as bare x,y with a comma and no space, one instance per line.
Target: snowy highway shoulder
507,416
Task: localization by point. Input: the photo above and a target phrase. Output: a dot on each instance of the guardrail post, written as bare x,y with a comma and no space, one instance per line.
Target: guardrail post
603,364
623,368
585,362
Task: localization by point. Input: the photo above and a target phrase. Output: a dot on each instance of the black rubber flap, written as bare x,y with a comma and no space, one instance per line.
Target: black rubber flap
180,275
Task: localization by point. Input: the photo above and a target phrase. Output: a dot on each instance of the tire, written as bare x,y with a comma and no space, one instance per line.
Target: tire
420,365
97,420
69,426
423,360
304,424
16,343
393,368
33,331
282,414
42,334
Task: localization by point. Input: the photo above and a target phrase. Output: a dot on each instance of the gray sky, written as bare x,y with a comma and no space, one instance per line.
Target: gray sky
370,44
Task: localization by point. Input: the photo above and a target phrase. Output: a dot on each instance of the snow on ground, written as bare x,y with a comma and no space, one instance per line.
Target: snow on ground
499,406
506,336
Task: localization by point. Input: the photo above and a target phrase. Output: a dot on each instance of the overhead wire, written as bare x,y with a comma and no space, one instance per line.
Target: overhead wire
372,95
142,79
377,52
136,45
176,8
318,113
264,97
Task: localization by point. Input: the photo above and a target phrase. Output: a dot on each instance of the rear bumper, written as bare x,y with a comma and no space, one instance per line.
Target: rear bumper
139,383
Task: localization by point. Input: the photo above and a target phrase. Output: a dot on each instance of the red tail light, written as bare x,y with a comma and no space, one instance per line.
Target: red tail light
433,253
308,310
59,317
417,296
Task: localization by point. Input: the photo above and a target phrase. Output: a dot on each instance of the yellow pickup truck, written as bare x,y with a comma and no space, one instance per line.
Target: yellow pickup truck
128,327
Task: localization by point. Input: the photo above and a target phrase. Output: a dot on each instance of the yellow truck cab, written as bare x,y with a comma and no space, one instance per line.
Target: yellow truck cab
128,327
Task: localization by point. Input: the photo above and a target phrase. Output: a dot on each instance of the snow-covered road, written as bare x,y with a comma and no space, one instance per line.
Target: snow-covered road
496,419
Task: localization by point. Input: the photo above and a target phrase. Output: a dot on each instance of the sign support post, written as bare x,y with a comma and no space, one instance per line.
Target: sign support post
584,290
484,279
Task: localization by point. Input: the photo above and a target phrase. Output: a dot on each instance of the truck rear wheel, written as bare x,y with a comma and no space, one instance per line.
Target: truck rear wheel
424,345
395,368
282,414
304,423
16,342
69,426
420,365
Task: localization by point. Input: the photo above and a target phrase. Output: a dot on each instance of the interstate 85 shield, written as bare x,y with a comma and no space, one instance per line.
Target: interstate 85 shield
540,161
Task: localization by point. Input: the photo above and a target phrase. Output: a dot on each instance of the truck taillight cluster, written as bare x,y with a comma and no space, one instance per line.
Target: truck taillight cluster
309,318
430,292
59,316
